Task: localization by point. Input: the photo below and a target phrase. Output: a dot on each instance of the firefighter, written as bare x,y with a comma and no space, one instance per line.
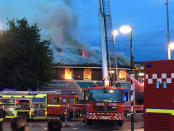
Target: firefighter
66,118
94,84
2,116
74,115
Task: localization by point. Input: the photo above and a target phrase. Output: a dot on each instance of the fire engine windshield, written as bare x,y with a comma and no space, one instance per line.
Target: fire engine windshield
105,95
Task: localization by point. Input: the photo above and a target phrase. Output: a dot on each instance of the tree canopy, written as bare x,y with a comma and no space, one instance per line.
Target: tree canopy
25,59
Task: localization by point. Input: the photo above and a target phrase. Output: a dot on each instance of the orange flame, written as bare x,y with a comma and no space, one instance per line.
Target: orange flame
83,53
68,74
61,52
122,75
87,74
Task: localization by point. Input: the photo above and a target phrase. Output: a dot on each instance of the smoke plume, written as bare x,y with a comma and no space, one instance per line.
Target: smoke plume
58,21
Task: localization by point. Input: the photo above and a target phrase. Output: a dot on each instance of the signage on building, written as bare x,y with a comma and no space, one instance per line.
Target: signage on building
60,84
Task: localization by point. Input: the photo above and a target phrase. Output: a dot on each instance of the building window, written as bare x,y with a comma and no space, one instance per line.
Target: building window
87,74
122,75
164,84
157,84
68,74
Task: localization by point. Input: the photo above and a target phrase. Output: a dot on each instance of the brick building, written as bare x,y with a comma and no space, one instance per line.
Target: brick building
77,78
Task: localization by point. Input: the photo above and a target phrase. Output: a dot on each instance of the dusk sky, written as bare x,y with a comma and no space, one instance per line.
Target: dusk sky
147,17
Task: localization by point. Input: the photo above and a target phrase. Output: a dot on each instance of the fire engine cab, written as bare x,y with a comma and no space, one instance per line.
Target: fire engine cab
158,95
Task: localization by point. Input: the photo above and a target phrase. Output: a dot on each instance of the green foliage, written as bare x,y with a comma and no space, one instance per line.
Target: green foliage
25,59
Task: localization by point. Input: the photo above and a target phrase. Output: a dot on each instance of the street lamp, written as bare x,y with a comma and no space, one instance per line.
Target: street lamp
170,47
128,29
125,29
115,33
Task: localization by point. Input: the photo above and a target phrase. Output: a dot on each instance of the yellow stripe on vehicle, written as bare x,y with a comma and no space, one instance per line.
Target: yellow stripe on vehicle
9,116
169,111
40,95
39,118
50,105
17,96
6,96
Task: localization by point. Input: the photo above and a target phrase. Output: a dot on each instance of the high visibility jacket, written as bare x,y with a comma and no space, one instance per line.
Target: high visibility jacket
2,114
1,119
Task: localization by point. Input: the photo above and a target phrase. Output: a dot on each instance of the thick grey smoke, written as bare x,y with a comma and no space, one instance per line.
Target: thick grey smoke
55,17
122,59
58,20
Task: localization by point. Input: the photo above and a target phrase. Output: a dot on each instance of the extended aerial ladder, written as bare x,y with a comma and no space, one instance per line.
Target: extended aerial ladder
105,102
107,42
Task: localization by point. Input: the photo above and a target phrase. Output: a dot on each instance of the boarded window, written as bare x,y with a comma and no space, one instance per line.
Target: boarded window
96,74
77,74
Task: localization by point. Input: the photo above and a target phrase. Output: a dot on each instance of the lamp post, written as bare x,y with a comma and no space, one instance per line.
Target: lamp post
168,31
115,33
128,29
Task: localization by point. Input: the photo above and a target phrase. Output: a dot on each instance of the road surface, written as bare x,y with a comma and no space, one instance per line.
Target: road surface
77,126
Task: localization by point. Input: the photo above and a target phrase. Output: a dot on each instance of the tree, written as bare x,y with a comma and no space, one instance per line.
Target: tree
25,59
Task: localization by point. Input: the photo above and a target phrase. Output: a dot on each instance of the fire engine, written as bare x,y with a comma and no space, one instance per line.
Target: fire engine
106,102
29,106
59,105
158,95
39,104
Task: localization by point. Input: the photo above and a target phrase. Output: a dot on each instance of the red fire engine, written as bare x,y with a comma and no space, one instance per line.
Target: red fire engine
106,102
59,105
158,95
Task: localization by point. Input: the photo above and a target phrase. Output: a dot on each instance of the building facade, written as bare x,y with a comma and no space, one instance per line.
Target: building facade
78,78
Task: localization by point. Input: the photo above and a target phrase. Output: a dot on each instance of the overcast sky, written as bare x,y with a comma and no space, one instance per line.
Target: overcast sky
147,17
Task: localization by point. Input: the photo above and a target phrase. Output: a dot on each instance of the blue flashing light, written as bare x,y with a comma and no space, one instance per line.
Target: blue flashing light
148,65
124,98
157,84
164,84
